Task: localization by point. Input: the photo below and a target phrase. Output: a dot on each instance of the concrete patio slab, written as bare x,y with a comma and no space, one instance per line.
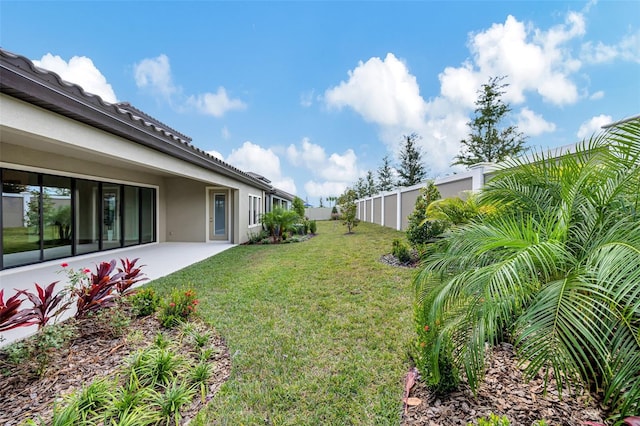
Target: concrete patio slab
159,259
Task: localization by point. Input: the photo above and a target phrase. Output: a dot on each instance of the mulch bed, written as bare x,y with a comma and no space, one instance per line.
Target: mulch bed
87,358
503,392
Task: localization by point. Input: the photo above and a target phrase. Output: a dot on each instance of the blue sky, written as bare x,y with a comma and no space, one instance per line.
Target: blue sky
314,94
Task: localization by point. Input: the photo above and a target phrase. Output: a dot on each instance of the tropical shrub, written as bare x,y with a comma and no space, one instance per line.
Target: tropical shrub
421,230
181,305
555,271
130,275
278,222
98,290
313,227
144,302
45,302
400,250
10,316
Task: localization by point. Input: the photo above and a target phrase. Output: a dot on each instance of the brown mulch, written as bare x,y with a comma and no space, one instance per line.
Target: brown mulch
24,396
503,392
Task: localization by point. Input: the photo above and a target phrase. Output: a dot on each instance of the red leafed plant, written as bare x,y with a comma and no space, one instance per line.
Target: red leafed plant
45,303
130,275
98,291
10,316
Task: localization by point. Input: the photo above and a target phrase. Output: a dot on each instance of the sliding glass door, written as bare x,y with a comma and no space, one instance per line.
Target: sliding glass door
47,217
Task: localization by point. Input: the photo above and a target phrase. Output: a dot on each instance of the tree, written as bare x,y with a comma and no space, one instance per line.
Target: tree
320,204
298,206
555,271
411,169
360,189
385,175
370,184
348,209
487,142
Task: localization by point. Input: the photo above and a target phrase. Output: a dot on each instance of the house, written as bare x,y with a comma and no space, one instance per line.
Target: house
80,175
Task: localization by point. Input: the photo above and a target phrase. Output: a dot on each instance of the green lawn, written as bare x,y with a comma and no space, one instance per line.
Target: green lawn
318,331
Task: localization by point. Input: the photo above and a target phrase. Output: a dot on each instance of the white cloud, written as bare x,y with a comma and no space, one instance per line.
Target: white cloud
155,75
381,91
533,59
225,133
251,157
330,173
532,124
216,104
324,189
594,125
627,49
536,61
306,98
336,167
597,95
81,71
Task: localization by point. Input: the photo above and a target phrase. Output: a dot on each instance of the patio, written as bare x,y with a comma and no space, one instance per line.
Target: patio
159,259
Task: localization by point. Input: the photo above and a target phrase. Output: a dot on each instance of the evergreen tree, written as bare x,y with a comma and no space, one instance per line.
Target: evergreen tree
371,184
487,142
385,175
360,188
411,169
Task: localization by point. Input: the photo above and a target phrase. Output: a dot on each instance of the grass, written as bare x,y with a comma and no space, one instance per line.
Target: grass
318,331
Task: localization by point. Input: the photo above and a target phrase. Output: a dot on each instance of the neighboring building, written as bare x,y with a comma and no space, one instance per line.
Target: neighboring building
80,175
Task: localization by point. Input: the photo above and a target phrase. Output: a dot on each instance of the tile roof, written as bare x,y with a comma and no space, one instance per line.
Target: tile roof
20,78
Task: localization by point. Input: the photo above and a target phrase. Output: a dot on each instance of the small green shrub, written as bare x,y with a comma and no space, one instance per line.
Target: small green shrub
493,420
112,321
181,305
145,302
313,227
171,401
401,250
257,237
36,351
91,400
441,377
419,230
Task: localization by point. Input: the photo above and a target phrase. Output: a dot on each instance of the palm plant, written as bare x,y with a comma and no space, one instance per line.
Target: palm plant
556,272
279,221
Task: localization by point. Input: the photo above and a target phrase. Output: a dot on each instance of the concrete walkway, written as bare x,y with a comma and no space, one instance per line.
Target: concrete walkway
159,260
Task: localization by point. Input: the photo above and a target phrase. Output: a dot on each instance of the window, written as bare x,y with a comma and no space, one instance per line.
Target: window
254,210
48,217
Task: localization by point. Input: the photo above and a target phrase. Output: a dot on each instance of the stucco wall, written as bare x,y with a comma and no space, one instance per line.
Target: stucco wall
186,210
408,204
377,210
391,210
318,213
455,188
